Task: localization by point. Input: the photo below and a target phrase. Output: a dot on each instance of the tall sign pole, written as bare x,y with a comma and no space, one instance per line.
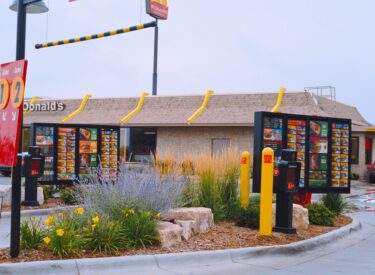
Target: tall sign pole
38,6
159,10
16,173
155,73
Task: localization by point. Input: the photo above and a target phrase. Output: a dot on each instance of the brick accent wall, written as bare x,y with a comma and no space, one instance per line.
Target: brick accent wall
182,140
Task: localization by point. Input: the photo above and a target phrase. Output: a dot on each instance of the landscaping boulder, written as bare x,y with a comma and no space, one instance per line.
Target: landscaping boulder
187,228
169,233
202,216
300,217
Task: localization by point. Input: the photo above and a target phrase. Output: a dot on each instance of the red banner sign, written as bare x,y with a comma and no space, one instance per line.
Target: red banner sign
157,8
12,90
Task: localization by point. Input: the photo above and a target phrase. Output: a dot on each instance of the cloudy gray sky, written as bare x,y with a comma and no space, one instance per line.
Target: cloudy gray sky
228,46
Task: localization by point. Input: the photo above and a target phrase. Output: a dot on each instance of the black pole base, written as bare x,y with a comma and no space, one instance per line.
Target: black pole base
30,203
286,230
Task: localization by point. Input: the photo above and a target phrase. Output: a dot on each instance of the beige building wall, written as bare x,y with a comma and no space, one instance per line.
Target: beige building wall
185,140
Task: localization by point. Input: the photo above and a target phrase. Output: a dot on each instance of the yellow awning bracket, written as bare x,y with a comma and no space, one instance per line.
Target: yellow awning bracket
279,100
32,101
80,109
201,108
136,110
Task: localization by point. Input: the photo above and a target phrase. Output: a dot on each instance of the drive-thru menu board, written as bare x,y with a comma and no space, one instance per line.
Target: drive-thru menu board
71,151
322,146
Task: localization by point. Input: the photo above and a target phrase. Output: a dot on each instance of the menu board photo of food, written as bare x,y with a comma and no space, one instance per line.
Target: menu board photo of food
296,142
66,147
44,138
273,135
88,149
340,155
318,143
109,152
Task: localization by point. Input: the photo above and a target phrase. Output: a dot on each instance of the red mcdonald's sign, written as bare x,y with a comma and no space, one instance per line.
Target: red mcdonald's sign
157,8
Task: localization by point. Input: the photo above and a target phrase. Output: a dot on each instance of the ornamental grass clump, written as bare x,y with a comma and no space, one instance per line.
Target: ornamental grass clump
335,203
214,183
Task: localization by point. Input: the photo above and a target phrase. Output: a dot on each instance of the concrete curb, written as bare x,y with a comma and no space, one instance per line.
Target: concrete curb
166,261
38,212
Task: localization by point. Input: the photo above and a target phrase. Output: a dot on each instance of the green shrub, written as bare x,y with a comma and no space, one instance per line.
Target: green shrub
103,235
138,229
31,233
249,216
68,195
48,191
319,214
335,203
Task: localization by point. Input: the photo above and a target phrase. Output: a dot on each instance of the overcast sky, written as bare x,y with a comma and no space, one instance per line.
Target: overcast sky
228,46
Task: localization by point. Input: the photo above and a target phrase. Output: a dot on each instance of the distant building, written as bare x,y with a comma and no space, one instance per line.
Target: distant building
228,120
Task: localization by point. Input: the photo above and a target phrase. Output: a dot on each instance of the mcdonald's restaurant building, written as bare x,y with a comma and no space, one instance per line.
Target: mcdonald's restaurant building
160,124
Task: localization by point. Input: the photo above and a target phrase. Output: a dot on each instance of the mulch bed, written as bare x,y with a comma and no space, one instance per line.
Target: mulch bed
49,203
221,236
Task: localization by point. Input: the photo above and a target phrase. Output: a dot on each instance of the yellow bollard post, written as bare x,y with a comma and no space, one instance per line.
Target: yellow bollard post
265,223
245,179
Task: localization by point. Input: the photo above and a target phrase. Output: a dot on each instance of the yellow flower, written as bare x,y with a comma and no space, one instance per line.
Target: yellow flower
79,211
93,226
157,215
46,240
126,215
59,232
131,211
49,220
95,219
148,213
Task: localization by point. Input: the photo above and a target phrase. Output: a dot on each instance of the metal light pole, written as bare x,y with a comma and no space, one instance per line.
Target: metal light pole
155,74
22,7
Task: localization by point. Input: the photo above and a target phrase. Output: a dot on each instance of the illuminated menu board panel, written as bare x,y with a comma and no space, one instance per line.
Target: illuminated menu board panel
340,155
297,142
273,135
109,152
88,150
66,148
44,138
322,146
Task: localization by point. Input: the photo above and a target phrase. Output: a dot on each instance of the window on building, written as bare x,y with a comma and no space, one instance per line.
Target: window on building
355,150
218,145
368,150
142,144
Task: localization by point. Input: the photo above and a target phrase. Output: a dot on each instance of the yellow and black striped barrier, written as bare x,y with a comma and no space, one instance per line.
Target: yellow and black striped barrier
96,36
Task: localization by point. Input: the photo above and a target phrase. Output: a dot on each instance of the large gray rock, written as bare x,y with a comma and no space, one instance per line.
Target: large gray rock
169,233
300,217
187,228
202,216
